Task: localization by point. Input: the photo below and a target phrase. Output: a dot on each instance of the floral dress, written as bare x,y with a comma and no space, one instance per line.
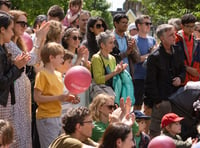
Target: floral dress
21,110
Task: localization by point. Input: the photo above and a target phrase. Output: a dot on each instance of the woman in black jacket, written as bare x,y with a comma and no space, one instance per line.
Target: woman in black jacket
9,70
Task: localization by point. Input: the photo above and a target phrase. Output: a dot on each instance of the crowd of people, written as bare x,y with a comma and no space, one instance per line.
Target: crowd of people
133,76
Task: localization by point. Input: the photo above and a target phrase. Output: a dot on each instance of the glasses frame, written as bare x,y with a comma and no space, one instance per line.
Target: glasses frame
75,38
99,26
22,23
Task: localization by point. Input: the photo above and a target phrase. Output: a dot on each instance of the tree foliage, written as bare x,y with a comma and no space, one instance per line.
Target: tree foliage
162,10
36,7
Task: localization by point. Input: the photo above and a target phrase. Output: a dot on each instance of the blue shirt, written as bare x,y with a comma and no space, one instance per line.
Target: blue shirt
122,43
143,44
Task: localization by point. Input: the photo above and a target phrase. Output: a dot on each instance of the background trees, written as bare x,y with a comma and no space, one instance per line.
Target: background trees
162,10
36,7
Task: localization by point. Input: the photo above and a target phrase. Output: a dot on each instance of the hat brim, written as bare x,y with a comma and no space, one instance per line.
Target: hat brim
143,117
178,119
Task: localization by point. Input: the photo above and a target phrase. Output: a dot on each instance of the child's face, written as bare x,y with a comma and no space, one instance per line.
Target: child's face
65,66
174,128
74,8
142,125
57,60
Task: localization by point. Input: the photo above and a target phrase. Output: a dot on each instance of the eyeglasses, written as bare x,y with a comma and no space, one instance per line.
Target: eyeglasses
98,26
22,23
76,38
147,23
110,107
90,121
189,26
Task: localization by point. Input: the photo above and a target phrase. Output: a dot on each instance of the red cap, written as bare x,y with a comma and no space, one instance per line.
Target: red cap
170,118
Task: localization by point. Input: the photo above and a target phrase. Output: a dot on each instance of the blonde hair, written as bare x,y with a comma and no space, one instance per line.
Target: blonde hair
16,14
97,102
6,132
55,31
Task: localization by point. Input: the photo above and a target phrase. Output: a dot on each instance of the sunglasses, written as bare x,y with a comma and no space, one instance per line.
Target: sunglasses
76,38
98,26
147,23
110,107
22,23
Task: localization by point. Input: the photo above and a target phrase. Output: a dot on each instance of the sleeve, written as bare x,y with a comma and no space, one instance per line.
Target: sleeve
98,70
40,81
72,143
97,132
8,77
151,88
180,143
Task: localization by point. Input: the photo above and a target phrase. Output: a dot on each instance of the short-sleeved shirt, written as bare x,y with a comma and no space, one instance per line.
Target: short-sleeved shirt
143,44
50,84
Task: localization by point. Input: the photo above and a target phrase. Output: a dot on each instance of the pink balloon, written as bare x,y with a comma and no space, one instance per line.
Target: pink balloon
162,142
77,79
28,41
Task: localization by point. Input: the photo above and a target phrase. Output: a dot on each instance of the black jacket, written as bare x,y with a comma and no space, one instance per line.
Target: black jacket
8,73
161,69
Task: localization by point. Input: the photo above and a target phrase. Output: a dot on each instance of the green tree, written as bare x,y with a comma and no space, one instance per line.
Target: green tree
162,10
36,7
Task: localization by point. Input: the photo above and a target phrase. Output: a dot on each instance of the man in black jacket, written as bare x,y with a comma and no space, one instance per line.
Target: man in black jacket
165,73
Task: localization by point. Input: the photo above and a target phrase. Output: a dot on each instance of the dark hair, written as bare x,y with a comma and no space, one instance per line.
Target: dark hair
66,36
74,116
140,19
5,19
56,11
39,19
76,2
6,2
113,132
188,18
91,39
117,17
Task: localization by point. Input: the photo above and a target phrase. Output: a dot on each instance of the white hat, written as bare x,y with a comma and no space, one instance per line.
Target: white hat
131,26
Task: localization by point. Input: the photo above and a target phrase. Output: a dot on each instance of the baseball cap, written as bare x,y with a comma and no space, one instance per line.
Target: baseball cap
170,118
140,115
131,26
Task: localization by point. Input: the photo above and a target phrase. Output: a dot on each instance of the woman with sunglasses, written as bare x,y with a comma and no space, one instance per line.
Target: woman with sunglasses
22,86
101,106
104,112
71,41
95,26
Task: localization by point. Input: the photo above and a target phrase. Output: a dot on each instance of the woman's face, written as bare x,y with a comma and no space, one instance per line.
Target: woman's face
97,28
7,33
107,108
74,40
109,45
20,25
127,143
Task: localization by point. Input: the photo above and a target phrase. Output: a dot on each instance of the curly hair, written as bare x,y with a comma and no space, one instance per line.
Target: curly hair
74,116
66,36
97,102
